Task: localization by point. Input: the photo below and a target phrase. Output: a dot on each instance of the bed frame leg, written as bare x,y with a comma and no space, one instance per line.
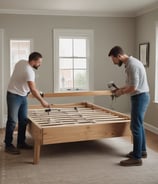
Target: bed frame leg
37,149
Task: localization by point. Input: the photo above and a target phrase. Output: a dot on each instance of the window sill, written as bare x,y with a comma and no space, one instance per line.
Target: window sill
155,101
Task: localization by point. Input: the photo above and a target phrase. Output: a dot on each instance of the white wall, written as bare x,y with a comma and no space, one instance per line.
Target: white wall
146,32
107,33
1,76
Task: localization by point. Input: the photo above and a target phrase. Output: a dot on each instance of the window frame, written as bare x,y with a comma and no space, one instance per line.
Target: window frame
73,33
18,39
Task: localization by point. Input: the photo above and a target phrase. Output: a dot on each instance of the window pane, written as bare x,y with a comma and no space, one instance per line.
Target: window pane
65,47
66,79
80,79
80,63
66,64
19,49
80,47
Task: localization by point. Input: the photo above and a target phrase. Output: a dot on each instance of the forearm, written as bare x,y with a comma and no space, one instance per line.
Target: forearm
124,90
36,94
128,89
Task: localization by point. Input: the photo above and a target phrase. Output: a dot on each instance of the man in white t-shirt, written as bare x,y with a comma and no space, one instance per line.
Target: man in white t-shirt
21,83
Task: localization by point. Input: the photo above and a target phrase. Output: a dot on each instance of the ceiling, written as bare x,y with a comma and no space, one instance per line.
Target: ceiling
119,8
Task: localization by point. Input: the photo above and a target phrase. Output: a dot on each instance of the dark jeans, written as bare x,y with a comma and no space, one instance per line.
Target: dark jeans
17,112
139,105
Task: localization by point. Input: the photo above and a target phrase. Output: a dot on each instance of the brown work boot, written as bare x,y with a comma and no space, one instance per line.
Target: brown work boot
130,154
131,162
12,150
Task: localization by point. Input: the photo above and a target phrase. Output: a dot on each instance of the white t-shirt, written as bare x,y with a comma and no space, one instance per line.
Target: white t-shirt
136,76
23,72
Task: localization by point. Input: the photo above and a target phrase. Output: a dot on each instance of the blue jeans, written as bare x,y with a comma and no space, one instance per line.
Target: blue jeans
139,104
17,112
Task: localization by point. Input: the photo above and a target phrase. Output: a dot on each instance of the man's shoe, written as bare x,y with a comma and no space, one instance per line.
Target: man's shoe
131,162
24,146
12,150
130,154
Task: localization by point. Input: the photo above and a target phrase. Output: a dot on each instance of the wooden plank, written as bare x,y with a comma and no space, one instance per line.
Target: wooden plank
84,132
70,123
107,110
36,131
33,126
80,93
69,105
75,120
80,123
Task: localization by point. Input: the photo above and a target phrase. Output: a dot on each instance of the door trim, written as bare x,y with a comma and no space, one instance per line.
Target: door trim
1,78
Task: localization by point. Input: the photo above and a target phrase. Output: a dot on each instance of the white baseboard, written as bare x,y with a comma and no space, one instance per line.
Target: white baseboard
3,125
151,128
148,126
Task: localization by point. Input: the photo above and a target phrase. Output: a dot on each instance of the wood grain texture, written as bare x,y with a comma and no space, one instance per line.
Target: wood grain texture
79,93
74,122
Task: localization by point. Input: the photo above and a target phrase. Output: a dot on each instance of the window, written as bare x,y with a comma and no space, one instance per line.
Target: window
19,49
73,60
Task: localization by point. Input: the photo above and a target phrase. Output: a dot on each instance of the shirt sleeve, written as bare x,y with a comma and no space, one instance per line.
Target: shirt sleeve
30,75
134,76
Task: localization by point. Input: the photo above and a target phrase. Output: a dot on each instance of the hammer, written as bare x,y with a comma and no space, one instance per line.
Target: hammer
110,85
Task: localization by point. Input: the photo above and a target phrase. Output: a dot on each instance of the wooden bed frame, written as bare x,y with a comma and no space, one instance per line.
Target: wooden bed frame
74,122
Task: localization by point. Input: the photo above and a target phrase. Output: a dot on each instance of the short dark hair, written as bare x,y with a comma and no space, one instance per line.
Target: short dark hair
115,51
35,56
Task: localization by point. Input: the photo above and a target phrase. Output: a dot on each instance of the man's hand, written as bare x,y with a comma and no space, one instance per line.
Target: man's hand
114,91
45,104
118,92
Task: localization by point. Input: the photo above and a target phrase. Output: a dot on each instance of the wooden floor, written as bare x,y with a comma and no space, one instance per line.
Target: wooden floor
151,138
